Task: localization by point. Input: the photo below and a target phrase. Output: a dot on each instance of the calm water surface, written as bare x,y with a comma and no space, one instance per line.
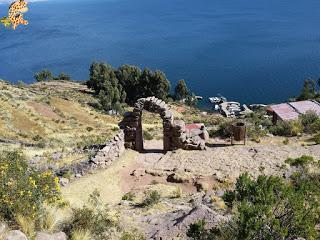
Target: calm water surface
250,51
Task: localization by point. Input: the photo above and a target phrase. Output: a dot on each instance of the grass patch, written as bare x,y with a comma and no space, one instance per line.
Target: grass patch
301,161
151,198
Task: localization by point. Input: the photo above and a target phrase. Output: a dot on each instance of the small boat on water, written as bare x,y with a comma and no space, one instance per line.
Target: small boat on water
217,100
198,97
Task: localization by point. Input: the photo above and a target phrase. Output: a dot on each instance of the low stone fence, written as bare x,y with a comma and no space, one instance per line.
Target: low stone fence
102,159
110,152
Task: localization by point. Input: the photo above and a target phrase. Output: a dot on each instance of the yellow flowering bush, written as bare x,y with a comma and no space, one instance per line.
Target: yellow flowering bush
23,190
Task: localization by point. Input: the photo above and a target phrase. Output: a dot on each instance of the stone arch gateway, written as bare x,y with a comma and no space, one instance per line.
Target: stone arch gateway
175,132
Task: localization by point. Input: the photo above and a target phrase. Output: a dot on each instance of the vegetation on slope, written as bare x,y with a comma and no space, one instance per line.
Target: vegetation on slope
271,207
50,117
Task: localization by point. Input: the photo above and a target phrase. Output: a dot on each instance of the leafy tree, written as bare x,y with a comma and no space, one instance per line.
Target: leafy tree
153,84
106,85
131,82
95,82
129,78
308,91
43,75
160,85
287,128
181,90
63,76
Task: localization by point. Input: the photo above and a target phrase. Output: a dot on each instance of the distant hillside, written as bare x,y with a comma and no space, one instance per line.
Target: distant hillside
52,122
49,117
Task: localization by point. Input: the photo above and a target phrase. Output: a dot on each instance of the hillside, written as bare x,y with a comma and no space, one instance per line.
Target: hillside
56,124
49,117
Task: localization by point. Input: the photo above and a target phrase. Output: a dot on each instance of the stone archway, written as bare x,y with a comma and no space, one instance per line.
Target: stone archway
132,125
175,132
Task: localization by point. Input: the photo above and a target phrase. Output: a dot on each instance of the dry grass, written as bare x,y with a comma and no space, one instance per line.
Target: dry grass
107,182
26,225
82,234
55,116
54,217
23,123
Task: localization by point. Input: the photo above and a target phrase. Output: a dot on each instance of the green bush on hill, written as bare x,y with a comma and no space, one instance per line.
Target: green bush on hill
151,198
270,207
181,91
47,75
126,84
287,128
23,190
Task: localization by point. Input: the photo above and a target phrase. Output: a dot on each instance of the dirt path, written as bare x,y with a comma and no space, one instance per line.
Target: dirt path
223,161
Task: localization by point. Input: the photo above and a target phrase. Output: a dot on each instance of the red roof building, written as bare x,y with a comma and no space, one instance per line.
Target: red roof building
292,110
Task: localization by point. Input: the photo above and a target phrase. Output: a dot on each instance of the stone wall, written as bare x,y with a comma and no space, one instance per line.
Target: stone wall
110,152
102,159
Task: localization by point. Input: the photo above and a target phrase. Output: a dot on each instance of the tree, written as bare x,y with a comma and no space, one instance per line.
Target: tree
94,81
308,91
181,90
159,85
63,76
131,81
129,78
154,84
43,75
106,85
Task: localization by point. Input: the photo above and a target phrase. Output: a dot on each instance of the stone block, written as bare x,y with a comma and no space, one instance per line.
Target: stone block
15,235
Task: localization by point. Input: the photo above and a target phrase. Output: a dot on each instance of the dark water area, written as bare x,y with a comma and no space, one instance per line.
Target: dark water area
249,51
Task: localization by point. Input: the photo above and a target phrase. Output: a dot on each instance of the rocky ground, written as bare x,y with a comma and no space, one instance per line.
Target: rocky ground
191,183
55,123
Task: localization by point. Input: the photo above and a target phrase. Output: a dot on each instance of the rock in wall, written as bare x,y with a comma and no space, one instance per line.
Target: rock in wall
110,152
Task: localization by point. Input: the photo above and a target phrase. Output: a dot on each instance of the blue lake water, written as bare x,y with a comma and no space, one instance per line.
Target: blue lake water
251,51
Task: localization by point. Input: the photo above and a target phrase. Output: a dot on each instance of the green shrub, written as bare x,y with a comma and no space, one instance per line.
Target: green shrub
132,235
287,128
89,129
23,190
286,141
147,135
41,144
93,219
228,197
270,207
301,161
316,138
86,219
129,196
151,198
315,126
307,121
197,230
37,138
224,130
63,76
